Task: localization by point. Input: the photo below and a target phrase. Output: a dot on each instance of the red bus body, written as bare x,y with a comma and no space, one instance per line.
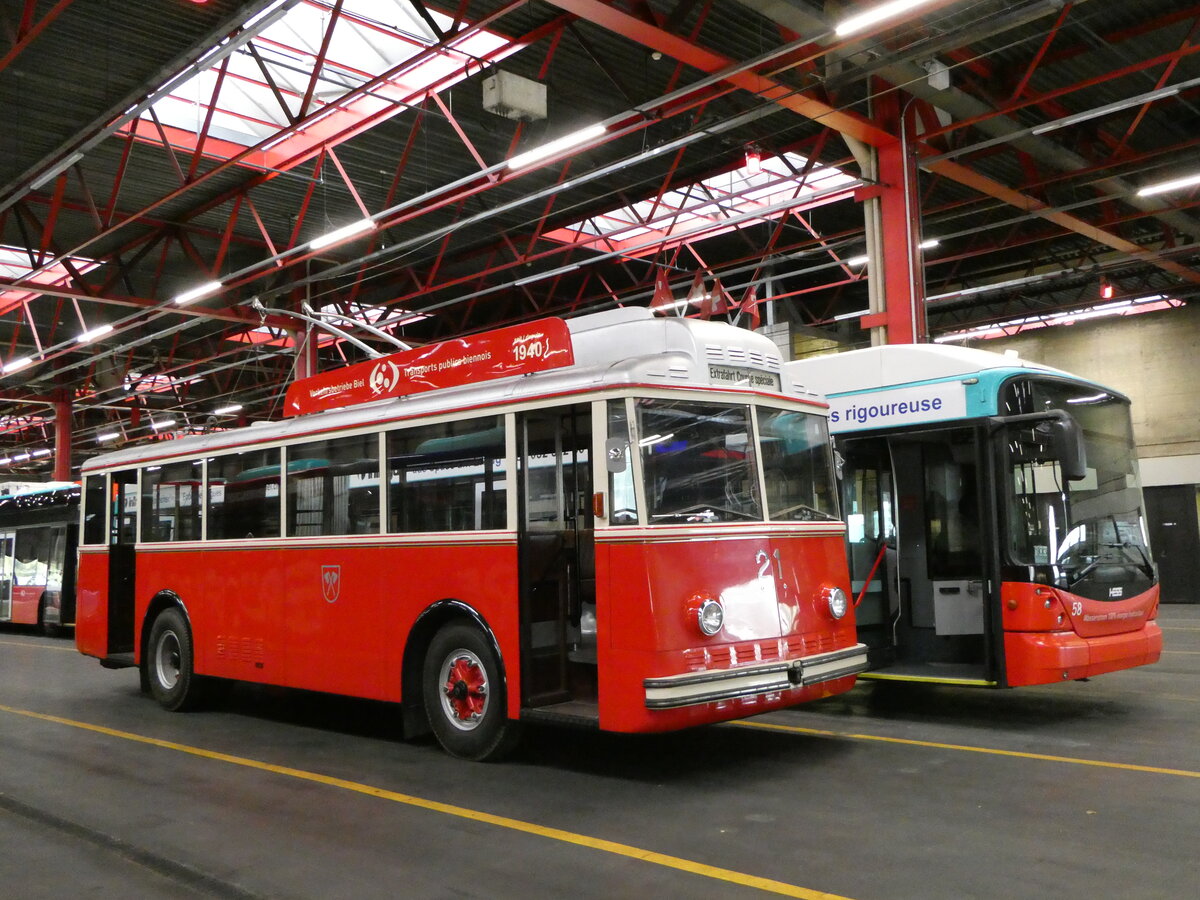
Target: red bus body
353,614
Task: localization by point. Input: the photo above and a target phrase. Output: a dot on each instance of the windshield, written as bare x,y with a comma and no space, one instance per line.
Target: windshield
698,460
1090,530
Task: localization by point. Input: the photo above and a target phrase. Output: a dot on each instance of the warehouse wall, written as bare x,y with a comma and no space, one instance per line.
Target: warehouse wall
1155,360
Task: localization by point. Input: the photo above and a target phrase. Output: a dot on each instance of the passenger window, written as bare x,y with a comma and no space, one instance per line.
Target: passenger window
125,506
333,486
171,502
447,477
243,495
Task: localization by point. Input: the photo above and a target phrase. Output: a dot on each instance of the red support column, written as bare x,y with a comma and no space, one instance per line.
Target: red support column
899,263
306,352
62,440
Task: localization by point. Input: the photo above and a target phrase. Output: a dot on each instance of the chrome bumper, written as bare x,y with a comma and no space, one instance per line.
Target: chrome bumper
747,681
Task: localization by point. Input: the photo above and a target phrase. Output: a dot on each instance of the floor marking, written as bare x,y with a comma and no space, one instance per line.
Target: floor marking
39,646
1185,652
555,834
819,732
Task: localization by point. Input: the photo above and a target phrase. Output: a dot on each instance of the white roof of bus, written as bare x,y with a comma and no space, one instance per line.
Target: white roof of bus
878,367
620,346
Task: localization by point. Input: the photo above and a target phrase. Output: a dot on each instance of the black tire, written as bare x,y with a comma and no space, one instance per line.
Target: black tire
464,695
167,666
45,628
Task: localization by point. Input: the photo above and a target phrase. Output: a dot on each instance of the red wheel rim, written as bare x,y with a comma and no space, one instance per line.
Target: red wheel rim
463,686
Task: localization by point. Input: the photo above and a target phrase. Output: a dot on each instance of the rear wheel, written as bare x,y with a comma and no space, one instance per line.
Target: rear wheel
167,666
464,695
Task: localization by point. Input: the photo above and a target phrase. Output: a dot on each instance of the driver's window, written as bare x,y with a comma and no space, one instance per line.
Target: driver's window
621,491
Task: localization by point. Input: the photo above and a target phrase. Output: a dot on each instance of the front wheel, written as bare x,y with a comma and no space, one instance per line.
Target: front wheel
167,666
464,695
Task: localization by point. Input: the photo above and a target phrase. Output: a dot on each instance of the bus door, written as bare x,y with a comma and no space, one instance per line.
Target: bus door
938,603
121,562
8,543
557,560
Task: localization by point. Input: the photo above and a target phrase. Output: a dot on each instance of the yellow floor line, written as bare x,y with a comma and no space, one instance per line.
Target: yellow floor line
555,834
818,732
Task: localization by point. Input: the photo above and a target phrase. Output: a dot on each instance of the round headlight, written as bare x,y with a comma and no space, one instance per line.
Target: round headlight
710,616
838,602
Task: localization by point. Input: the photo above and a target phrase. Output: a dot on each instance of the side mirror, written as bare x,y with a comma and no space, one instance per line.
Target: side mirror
616,452
1067,438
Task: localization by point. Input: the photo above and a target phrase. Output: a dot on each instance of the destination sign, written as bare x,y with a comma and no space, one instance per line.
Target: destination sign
516,350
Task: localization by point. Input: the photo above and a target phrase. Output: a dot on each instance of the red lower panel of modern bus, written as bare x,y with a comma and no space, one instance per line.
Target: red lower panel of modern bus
25,601
1052,635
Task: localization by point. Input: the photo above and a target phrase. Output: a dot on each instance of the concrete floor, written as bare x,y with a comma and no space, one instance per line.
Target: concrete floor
873,795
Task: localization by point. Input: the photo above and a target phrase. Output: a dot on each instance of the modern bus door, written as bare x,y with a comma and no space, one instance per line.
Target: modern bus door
8,542
915,506
557,563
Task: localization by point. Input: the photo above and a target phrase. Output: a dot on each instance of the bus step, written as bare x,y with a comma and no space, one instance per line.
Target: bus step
580,713
118,661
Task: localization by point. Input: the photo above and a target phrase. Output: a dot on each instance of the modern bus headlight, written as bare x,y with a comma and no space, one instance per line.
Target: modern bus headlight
838,602
709,613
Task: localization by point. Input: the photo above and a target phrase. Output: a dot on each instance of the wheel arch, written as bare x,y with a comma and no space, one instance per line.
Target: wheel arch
428,623
162,600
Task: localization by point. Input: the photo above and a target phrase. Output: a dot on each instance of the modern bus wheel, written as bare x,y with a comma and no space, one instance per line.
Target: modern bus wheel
168,662
464,695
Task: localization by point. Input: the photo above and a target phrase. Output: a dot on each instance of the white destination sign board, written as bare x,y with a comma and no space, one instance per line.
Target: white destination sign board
898,406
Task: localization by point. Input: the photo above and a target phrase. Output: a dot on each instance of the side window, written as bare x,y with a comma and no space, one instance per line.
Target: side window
32,563
447,477
93,510
171,502
333,486
243,495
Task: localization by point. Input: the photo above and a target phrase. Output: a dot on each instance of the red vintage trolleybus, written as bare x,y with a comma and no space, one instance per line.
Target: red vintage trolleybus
620,521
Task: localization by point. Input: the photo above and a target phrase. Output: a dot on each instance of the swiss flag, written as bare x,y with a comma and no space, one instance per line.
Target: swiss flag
663,299
721,301
750,306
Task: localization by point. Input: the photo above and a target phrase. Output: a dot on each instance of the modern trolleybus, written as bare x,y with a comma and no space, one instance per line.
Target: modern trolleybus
994,516
39,528
618,521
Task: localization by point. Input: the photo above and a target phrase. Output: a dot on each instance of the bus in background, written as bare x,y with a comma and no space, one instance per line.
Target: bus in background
996,530
39,530
618,521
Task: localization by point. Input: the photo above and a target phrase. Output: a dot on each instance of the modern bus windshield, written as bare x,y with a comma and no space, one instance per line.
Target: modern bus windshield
1091,530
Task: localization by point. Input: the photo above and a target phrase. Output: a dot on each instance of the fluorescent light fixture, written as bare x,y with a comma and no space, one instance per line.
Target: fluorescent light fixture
15,365
5,461
582,136
858,260
161,424
200,290
20,457
56,171
340,234
42,452
852,315
1175,184
929,244
108,436
98,332
877,14
1105,110
227,410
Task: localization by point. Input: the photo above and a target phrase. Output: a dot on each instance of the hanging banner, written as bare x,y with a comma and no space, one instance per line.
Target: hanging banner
516,350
